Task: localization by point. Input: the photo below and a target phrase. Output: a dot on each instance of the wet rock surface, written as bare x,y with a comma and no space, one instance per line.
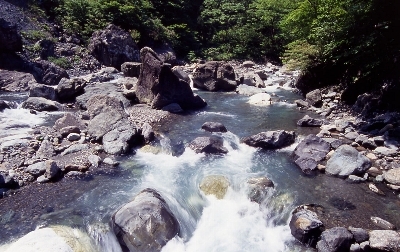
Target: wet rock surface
271,139
146,223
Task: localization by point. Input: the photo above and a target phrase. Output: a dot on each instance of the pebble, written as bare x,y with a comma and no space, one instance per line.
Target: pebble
73,137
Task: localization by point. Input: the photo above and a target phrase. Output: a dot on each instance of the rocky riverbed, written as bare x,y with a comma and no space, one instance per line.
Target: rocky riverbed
110,113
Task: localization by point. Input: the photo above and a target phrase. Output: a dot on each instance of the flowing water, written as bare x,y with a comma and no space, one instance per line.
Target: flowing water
207,224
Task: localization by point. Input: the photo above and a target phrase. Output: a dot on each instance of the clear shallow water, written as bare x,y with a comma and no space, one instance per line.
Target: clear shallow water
207,224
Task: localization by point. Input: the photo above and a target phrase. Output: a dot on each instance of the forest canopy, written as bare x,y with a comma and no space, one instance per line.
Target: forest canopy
354,43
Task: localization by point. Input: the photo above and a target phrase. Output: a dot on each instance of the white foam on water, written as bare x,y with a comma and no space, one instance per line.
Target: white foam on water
233,224
15,122
207,113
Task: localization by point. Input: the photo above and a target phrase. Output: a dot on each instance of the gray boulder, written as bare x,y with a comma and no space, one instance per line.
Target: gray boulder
106,88
308,121
52,170
46,150
215,76
384,240
68,89
145,224
214,127
147,133
271,139
336,239
6,181
40,90
248,90
309,152
36,169
180,73
48,73
113,46
110,123
305,226
131,69
314,98
347,161
69,123
253,79
10,39
12,81
208,145
392,176
74,149
360,235
158,86
41,104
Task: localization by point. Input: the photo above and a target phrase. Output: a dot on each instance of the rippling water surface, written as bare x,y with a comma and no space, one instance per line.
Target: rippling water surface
207,224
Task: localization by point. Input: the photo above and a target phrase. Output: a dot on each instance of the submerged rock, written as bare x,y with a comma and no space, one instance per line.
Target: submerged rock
216,185
146,223
258,188
208,145
347,161
271,139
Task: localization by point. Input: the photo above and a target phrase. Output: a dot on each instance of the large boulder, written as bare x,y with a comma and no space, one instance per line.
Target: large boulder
54,238
146,223
347,161
48,73
109,123
392,176
68,89
384,240
214,127
253,79
308,121
10,39
260,99
131,69
216,185
7,181
113,46
271,139
314,98
336,239
215,76
305,226
3,106
158,86
208,145
106,88
40,90
13,81
41,104
309,152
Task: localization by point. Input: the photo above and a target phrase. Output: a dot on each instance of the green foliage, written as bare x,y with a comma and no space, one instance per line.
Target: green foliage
33,35
61,62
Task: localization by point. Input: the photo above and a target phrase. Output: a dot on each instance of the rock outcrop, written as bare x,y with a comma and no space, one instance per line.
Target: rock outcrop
336,239
215,76
158,86
48,73
68,89
12,81
10,39
271,139
146,223
113,46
